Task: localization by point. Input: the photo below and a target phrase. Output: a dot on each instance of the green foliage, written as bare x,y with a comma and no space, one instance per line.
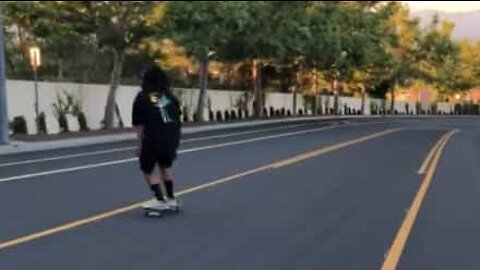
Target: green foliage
199,26
61,108
372,44
76,111
67,104
82,122
19,125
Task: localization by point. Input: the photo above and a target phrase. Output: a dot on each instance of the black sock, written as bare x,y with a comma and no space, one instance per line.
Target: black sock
169,189
157,191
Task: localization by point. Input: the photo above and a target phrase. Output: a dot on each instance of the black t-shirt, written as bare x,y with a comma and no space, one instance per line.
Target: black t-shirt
159,114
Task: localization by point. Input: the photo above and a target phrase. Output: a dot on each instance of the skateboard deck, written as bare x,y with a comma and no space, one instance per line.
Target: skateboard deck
150,212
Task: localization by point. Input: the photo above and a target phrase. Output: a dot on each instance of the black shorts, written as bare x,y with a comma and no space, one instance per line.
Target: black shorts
150,156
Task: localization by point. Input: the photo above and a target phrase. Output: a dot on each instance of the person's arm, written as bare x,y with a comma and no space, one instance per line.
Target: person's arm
178,115
137,122
139,132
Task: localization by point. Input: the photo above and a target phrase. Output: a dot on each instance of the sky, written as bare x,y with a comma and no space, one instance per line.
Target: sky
452,6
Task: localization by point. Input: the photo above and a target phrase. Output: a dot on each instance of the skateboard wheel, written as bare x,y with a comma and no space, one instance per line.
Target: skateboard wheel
153,214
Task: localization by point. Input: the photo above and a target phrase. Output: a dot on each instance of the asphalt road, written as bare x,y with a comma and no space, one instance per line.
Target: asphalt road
315,195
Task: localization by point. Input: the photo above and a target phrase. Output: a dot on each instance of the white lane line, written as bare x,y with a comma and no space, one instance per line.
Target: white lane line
222,136
256,139
39,160
109,151
214,146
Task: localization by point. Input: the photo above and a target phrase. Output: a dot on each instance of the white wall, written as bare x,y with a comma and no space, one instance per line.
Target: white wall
279,101
216,100
446,108
92,97
350,102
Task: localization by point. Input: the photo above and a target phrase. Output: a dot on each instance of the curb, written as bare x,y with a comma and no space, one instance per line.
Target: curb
17,147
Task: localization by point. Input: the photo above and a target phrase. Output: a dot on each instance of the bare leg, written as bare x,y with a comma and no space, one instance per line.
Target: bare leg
154,182
152,179
168,181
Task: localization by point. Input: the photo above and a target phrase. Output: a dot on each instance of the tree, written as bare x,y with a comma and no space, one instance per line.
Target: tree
55,33
400,64
202,28
468,66
19,19
436,48
346,40
266,32
118,26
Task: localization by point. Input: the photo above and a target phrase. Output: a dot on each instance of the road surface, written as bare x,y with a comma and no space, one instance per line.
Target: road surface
372,194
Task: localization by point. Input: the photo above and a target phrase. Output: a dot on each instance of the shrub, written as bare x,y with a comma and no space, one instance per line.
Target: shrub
42,123
211,115
19,125
227,116
61,109
185,114
233,115
82,121
219,116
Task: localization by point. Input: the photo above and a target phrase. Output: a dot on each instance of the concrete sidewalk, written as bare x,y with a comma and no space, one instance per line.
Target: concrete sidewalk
23,147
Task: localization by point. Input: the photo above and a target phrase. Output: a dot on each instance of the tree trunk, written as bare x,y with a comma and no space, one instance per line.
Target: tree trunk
118,58
392,102
294,101
117,111
295,88
363,100
203,89
257,88
229,75
335,96
60,70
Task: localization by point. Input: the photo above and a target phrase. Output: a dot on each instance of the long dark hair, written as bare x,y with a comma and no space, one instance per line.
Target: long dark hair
155,80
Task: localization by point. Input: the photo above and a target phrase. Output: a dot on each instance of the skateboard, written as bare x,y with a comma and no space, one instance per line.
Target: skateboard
149,212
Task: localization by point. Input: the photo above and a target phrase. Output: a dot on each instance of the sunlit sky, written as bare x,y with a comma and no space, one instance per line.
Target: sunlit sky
452,6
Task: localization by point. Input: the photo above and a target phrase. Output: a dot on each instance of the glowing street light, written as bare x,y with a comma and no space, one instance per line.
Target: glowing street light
35,63
35,60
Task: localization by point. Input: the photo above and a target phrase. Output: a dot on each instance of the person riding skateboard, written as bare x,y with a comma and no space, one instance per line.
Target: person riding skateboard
156,118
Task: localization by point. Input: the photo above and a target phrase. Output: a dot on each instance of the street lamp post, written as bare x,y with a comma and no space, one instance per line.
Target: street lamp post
35,63
315,98
4,130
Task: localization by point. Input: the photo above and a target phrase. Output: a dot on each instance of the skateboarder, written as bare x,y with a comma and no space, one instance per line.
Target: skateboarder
156,118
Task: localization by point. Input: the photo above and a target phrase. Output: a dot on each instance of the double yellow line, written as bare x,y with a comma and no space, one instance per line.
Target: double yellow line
434,151
271,166
428,169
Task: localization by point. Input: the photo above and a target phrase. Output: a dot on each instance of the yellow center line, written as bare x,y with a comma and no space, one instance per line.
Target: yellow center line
433,151
122,210
403,233
328,149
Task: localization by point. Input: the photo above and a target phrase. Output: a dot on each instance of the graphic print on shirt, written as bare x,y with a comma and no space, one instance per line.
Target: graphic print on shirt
162,104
